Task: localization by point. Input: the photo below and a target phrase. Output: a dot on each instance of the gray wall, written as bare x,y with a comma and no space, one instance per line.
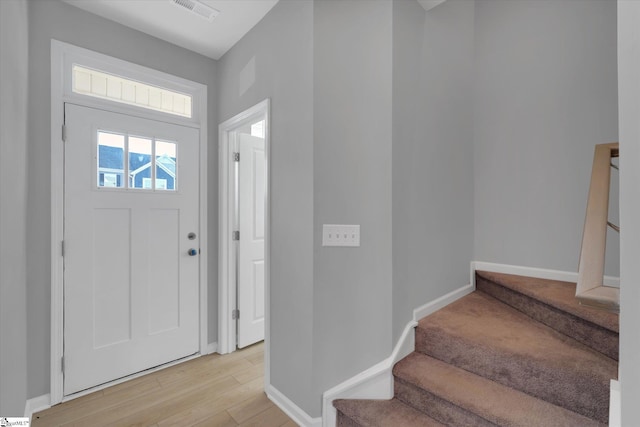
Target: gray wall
327,68
54,19
380,119
408,40
352,53
13,203
546,93
281,46
432,153
629,92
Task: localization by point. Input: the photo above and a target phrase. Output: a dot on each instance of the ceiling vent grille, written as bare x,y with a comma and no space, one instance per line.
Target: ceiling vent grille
198,8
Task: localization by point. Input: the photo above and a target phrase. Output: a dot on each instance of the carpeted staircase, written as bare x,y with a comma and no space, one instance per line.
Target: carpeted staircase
518,351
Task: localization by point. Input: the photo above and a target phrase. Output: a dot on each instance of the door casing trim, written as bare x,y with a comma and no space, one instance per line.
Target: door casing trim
61,54
226,252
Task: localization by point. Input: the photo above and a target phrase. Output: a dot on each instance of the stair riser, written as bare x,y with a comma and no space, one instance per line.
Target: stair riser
380,413
436,407
594,336
344,421
578,392
519,352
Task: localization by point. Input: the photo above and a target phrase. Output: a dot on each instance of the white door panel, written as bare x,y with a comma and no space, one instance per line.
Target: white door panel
130,285
252,169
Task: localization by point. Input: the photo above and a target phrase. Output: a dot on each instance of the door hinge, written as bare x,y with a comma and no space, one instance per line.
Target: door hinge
236,157
62,248
64,133
235,314
62,364
236,235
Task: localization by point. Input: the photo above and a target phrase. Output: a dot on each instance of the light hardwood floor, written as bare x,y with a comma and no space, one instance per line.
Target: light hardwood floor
212,390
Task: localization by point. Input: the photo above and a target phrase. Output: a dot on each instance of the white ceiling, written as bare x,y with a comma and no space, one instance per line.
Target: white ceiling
167,21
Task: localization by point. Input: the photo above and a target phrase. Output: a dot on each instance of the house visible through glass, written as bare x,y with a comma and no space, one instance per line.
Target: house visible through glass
165,165
151,163
110,159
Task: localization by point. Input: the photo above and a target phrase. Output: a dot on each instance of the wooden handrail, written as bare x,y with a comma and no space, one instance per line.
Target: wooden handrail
590,290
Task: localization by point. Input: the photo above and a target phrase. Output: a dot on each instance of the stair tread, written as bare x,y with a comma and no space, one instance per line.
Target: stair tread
490,400
559,294
483,335
383,413
547,301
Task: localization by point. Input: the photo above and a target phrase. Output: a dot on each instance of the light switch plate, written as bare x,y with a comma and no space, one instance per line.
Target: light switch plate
340,235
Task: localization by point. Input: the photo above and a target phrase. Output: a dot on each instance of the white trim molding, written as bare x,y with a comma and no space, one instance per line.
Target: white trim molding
63,56
37,404
377,381
373,383
615,409
539,273
226,213
226,245
211,348
442,302
294,412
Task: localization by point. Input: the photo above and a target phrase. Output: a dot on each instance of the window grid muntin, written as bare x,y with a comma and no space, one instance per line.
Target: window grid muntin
125,172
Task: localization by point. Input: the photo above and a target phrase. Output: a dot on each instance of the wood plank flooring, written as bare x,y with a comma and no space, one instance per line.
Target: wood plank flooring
213,390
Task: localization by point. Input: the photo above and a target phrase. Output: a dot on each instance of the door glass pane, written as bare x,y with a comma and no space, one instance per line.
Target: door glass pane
257,129
140,166
151,164
166,165
110,159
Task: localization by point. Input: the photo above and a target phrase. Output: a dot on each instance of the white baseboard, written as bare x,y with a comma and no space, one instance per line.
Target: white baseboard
377,381
373,383
37,404
212,347
540,273
615,409
443,301
291,409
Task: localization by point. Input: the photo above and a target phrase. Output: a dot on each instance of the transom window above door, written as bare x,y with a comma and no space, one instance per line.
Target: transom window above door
136,162
98,84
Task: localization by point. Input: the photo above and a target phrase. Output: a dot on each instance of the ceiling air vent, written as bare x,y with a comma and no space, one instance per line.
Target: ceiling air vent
198,8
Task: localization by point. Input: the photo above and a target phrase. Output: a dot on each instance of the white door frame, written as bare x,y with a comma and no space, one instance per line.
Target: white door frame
63,56
227,253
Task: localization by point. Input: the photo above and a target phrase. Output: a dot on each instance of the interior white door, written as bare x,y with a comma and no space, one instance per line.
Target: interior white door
252,193
131,298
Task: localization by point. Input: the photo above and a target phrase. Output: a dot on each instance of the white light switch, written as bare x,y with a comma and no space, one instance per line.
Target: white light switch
340,235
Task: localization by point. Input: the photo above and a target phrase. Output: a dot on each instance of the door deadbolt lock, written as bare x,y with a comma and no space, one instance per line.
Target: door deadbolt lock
191,236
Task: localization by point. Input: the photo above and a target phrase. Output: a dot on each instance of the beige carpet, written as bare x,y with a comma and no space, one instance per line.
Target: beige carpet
517,352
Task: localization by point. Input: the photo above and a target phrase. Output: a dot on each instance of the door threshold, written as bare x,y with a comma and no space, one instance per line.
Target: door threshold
129,377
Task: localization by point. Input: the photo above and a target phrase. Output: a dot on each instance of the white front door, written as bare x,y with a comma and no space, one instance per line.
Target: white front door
251,272
130,224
